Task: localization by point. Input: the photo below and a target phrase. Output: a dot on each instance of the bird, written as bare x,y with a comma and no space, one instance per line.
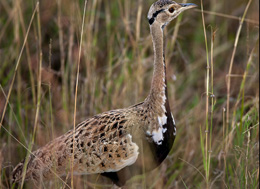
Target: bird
122,143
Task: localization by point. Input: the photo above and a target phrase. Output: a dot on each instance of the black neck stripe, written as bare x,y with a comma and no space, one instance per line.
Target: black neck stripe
151,20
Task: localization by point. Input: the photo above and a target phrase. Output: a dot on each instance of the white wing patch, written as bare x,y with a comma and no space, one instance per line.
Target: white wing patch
175,130
158,135
173,120
162,120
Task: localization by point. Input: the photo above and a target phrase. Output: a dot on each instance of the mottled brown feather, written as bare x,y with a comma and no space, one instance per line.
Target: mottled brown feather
102,143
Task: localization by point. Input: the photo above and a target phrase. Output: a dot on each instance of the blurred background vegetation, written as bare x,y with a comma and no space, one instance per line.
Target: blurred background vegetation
116,66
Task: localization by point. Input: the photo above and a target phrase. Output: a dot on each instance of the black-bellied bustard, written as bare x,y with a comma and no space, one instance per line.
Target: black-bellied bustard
119,143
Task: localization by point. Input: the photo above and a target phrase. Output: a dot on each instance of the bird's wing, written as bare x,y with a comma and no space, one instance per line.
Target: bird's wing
99,144
103,144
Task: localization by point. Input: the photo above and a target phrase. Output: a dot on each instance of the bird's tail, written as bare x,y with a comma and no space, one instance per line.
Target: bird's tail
17,173
44,163
21,171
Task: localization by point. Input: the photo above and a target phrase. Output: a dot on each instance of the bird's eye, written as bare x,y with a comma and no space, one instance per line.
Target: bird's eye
171,10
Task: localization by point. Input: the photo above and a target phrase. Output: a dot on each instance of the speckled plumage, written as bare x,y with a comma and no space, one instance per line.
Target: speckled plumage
119,143
103,143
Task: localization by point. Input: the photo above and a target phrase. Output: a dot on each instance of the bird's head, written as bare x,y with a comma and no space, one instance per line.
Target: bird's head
164,11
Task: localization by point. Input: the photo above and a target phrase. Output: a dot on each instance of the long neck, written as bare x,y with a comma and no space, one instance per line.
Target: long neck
158,93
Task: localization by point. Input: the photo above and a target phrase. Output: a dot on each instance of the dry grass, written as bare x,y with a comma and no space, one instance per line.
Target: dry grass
213,89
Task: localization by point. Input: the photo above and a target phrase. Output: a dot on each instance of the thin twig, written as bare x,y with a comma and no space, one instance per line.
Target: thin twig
228,16
193,168
233,58
76,92
207,101
15,117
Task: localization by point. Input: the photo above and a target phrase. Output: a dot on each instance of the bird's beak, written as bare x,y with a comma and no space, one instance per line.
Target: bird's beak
186,6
